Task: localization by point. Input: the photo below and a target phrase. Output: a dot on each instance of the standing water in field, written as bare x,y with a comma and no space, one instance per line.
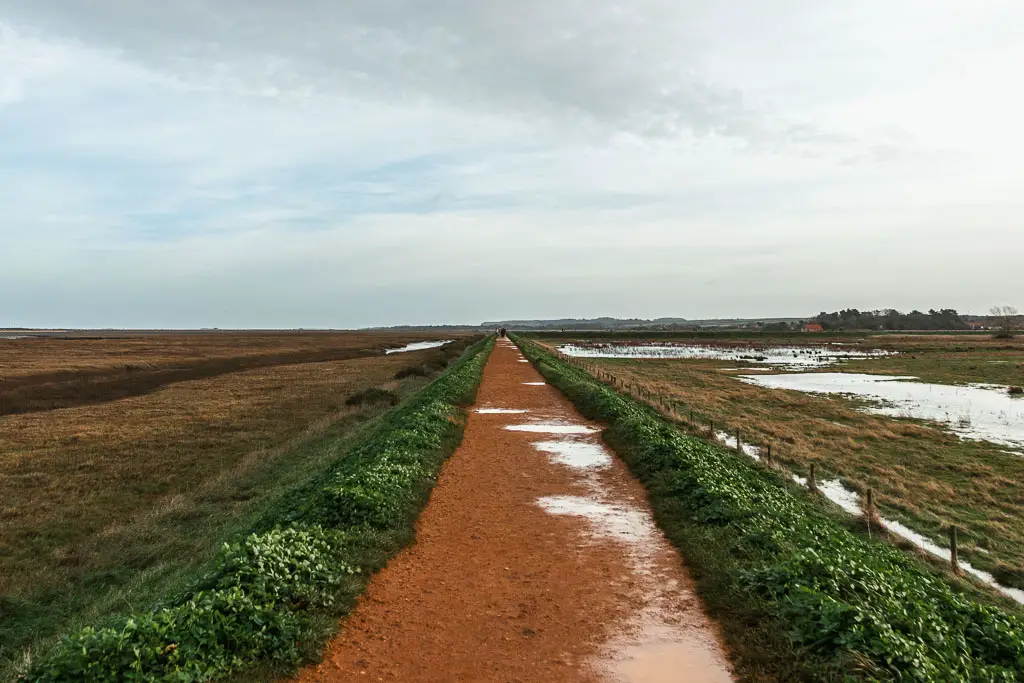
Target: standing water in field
783,356
977,411
418,346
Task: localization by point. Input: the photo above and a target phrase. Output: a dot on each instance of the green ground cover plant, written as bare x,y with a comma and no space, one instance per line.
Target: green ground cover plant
799,595
270,598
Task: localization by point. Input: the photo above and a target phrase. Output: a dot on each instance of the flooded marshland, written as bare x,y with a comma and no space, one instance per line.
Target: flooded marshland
978,411
794,356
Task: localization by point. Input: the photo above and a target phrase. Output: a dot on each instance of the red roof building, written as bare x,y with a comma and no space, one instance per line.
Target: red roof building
813,327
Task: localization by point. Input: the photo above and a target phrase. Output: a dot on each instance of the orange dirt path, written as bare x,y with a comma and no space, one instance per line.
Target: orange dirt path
535,561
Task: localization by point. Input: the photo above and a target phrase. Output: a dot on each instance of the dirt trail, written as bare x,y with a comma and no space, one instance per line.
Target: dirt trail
536,560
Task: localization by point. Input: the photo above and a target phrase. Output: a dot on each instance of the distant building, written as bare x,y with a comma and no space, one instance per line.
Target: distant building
977,326
813,327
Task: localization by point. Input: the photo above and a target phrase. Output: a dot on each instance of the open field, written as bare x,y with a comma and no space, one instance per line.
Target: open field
44,373
115,500
921,474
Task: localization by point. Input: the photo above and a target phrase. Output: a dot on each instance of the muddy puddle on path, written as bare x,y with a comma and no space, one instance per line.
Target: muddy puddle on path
665,635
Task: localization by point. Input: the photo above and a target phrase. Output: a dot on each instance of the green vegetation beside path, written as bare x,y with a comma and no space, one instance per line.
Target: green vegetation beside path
272,597
799,595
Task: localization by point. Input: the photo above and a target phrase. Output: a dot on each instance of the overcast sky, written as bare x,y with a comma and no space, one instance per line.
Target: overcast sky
263,163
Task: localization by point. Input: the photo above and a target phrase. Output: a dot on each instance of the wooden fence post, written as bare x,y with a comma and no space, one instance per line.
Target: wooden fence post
954,559
739,444
869,509
811,484
768,454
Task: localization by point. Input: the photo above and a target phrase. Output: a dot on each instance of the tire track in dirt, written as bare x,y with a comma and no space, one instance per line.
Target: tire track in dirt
536,560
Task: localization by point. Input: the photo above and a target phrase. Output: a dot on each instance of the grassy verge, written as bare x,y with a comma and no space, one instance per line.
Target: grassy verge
799,595
269,599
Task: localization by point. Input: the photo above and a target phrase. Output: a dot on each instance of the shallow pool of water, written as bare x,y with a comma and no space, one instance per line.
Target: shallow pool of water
782,356
418,346
666,640
578,454
501,411
622,522
545,428
977,411
729,441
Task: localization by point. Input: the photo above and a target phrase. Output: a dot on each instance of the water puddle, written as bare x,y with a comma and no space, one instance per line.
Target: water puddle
654,653
577,454
501,411
782,356
535,384
978,411
543,428
729,441
611,521
662,642
418,346
524,361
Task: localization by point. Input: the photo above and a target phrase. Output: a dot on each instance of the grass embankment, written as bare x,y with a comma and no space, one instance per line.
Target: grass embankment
270,598
920,474
798,594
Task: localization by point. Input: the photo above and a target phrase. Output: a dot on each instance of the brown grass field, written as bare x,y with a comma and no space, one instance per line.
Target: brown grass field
61,371
112,497
920,473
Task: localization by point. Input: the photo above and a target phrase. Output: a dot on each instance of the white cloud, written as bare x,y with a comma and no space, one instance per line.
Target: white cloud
374,161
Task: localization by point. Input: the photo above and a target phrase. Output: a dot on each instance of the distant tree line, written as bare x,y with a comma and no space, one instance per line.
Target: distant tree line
891,319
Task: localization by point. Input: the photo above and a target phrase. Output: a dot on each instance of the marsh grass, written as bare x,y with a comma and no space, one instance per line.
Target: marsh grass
51,373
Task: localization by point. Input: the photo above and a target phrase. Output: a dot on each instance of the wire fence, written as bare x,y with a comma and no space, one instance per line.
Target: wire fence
704,426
